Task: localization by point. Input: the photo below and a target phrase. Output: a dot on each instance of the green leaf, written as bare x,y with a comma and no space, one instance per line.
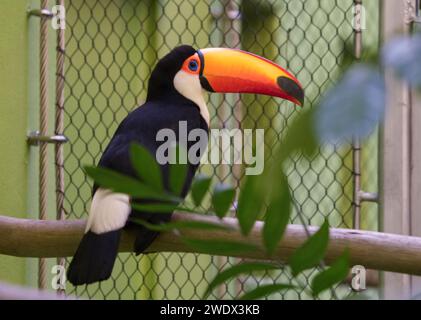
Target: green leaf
146,166
251,201
311,252
201,225
219,247
234,271
265,290
300,137
402,54
222,199
124,184
199,188
336,273
343,115
277,215
178,171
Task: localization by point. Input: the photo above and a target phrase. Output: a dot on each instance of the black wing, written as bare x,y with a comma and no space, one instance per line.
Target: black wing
141,127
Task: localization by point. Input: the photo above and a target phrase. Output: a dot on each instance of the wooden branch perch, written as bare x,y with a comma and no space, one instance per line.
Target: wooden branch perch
373,250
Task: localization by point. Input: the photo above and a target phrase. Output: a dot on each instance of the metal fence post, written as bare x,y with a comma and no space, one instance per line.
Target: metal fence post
356,143
43,157
59,127
415,162
395,168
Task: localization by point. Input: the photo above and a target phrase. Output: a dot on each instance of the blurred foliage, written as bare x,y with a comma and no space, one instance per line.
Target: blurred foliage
338,271
353,107
311,252
402,54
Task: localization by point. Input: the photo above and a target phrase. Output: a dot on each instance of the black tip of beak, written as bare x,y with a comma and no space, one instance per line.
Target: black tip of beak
291,88
205,84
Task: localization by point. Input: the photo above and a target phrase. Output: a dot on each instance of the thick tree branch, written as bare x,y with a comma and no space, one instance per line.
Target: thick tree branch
374,250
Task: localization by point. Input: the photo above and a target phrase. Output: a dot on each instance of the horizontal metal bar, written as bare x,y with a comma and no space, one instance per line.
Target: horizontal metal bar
368,196
34,138
44,13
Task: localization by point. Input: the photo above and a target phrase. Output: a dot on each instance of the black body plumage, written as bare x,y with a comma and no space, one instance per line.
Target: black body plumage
164,108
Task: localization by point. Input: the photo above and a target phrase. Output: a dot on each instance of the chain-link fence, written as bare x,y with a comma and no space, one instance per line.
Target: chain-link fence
112,46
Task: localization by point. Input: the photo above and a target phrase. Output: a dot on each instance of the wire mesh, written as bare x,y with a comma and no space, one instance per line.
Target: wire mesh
112,46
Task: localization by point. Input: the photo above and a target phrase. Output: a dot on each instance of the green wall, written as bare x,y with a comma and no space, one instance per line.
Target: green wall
19,103
13,123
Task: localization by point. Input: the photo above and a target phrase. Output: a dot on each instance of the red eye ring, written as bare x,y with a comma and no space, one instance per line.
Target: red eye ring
192,64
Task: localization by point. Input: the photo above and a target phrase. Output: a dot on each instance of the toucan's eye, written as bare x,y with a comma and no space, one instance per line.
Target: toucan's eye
193,65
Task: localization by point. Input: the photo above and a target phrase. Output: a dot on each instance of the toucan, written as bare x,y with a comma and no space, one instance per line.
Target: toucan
175,93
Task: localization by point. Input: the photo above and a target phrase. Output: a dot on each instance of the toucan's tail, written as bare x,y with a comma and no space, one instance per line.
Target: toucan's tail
94,258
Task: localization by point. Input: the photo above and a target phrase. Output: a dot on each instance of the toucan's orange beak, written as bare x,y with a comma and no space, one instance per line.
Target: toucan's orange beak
231,70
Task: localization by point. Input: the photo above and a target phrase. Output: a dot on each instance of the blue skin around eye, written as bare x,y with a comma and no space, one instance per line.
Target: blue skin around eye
193,65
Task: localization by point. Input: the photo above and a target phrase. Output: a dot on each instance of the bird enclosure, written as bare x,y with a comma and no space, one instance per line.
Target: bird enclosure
111,48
